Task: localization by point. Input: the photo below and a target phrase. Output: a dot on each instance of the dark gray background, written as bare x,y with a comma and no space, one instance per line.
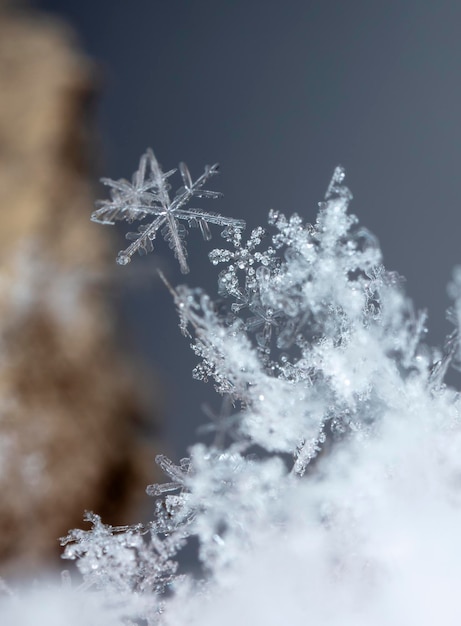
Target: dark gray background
279,93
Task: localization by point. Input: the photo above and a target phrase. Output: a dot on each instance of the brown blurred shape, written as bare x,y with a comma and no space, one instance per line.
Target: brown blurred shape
68,410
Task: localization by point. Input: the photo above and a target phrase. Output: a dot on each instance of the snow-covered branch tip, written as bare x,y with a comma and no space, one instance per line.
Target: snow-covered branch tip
147,198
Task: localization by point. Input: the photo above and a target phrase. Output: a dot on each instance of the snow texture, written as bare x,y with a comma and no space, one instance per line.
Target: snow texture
330,492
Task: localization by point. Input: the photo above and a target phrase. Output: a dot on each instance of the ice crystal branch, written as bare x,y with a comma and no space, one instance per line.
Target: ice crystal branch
147,197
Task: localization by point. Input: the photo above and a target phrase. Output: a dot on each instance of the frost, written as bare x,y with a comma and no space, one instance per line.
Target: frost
330,492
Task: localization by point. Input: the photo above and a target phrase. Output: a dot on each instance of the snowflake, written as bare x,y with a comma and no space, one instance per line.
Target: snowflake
254,265
147,196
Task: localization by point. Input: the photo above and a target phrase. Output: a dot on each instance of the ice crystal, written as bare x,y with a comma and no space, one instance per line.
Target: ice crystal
331,490
177,473
147,197
122,559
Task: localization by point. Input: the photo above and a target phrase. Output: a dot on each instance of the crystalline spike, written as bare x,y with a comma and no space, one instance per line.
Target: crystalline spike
160,489
173,471
336,188
206,193
186,177
140,175
205,230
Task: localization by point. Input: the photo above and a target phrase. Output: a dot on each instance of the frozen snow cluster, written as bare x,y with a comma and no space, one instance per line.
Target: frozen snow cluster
331,490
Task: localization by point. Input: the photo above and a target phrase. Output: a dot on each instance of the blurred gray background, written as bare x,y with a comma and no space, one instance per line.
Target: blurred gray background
279,93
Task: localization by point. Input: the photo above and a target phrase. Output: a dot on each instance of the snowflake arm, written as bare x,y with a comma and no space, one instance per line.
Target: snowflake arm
174,234
142,241
212,218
